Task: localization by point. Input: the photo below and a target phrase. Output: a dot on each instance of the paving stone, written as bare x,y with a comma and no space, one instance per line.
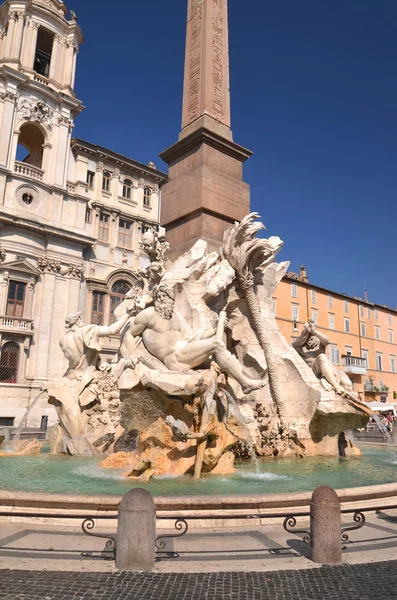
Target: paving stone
355,582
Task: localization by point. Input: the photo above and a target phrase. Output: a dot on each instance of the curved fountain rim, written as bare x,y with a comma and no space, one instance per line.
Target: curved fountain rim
41,500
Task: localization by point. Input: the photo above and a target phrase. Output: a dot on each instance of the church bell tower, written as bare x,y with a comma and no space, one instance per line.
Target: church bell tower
39,43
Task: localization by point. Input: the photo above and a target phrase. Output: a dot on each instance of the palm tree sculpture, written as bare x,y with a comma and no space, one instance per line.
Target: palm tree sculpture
245,253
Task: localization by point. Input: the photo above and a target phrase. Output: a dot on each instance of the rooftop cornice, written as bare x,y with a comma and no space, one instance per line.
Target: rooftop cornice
101,152
340,295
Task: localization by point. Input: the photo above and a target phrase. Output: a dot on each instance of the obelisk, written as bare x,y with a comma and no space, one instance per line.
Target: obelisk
205,192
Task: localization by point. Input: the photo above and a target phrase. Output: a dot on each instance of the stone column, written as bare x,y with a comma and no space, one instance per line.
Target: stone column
16,51
3,292
28,305
54,58
27,35
325,527
62,153
76,51
7,125
44,324
69,63
136,532
31,51
10,34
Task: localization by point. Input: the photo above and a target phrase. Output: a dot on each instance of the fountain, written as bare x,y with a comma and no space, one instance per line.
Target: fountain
203,373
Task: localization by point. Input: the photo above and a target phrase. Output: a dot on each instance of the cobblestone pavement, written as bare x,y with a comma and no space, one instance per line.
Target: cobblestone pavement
353,582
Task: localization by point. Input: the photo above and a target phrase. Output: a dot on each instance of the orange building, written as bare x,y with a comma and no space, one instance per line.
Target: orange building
362,335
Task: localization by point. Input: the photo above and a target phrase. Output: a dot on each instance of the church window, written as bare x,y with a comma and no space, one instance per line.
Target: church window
42,59
16,298
127,189
103,230
27,199
147,196
119,291
125,233
30,146
98,299
9,362
106,181
90,179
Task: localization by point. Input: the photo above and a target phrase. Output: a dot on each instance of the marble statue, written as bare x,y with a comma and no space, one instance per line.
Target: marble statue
166,336
312,345
202,371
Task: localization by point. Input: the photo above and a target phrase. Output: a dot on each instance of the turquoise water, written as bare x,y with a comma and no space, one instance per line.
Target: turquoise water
58,474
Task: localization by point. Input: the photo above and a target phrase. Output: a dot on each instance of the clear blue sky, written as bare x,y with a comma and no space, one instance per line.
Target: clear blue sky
314,96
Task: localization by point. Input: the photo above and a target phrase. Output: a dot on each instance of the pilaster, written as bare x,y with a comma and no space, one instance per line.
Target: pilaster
19,27
10,34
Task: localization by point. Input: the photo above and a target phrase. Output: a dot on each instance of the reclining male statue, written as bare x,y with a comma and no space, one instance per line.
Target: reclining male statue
311,346
166,336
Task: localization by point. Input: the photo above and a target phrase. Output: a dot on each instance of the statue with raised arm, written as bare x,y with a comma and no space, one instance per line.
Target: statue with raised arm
311,345
81,343
168,338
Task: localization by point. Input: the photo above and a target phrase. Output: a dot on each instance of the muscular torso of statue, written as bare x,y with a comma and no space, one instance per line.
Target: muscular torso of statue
161,336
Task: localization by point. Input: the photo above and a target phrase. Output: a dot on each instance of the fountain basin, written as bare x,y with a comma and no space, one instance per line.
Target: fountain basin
82,475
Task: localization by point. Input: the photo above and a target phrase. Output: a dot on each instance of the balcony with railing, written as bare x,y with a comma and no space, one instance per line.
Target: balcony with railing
27,170
16,324
354,364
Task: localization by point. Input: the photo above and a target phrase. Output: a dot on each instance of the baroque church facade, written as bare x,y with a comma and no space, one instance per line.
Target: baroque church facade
71,213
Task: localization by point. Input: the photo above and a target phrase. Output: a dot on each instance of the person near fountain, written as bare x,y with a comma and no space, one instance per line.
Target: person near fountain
166,337
311,346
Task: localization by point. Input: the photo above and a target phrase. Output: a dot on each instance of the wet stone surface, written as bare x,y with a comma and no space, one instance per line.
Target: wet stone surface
357,582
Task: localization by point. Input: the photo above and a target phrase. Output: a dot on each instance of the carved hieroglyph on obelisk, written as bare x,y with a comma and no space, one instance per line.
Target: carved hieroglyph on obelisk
205,192
206,84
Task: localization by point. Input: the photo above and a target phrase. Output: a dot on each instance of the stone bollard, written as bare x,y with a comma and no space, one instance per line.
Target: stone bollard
325,526
136,532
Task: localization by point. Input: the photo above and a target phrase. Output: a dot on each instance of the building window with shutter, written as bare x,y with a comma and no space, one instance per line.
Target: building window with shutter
379,364
331,321
98,302
9,362
125,233
103,230
15,299
363,329
127,189
147,197
347,325
294,290
334,354
106,181
377,332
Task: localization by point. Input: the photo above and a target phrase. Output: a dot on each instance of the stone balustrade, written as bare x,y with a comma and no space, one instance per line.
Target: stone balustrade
41,79
27,170
16,324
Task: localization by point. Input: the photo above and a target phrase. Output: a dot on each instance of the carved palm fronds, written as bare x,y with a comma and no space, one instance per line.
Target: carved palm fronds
246,253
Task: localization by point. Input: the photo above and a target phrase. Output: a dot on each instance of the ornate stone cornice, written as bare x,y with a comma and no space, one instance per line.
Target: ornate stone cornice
73,271
9,95
48,265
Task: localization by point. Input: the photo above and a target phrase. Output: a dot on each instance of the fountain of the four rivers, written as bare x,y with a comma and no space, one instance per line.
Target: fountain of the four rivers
204,392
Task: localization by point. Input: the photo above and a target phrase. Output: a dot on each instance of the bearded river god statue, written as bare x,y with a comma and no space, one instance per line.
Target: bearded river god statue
203,372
